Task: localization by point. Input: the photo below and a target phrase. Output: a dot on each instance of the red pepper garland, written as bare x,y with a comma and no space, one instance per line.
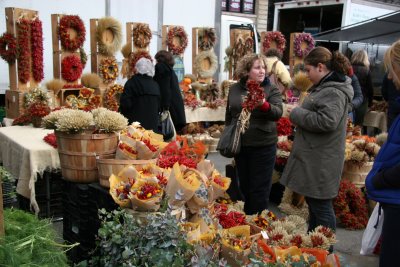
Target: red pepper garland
255,94
284,127
71,68
37,49
73,22
23,29
8,47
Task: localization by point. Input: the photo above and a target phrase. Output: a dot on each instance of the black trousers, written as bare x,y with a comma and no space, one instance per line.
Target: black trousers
390,236
255,166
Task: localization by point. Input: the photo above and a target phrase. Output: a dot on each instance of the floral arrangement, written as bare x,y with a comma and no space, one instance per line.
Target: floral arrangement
23,33
35,95
350,206
112,95
108,121
71,22
284,148
51,139
124,188
71,68
37,49
38,109
177,32
8,47
24,119
284,127
361,149
145,195
276,37
141,35
134,57
228,219
207,38
108,70
147,191
72,121
303,38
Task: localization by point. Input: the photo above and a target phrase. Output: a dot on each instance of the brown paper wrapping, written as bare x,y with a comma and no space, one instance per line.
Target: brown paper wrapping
151,204
192,231
234,256
144,152
114,182
219,191
178,188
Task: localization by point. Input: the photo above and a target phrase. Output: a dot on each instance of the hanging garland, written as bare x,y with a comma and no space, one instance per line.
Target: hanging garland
71,22
23,33
350,206
71,68
108,70
276,37
112,25
112,95
207,38
37,49
179,32
303,38
134,58
249,45
84,57
141,35
206,55
8,47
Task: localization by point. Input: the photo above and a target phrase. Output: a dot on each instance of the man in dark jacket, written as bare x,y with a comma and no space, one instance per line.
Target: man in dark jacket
392,97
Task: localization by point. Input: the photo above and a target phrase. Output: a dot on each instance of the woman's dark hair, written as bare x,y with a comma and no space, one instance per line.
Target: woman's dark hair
335,61
273,52
166,57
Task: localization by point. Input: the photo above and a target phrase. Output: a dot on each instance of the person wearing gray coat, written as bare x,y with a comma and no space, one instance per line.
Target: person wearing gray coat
316,161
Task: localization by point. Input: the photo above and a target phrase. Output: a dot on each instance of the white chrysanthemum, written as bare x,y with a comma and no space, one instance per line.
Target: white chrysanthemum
97,111
109,121
359,144
74,121
49,121
372,149
359,156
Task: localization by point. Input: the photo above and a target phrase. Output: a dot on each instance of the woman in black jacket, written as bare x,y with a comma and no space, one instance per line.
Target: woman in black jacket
256,159
140,100
171,98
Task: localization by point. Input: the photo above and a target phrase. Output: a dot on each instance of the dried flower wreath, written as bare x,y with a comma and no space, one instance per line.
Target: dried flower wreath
71,68
179,32
71,22
141,35
108,70
111,97
8,47
303,38
276,37
114,26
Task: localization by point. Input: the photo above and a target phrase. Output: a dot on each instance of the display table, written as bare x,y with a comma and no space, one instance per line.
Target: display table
25,155
205,114
376,119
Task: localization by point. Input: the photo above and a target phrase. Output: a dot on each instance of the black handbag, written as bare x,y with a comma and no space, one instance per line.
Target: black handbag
166,126
230,141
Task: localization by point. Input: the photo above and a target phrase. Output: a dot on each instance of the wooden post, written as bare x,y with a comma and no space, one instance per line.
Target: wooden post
195,48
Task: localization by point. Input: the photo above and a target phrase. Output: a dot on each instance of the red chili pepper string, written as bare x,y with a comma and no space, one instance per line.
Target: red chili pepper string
255,95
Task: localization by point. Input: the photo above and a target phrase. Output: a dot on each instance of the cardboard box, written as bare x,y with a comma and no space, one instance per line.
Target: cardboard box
14,104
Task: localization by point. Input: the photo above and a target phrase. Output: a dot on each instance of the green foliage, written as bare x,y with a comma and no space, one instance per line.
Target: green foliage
29,241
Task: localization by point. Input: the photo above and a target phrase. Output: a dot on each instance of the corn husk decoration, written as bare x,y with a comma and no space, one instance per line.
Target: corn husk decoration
126,177
146,201
302,83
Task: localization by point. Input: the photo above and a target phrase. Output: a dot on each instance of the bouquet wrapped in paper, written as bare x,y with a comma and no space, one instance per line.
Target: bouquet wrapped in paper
202,198
146,195
236,243
219,184
121,184
192,231
152,170
182,185
126,149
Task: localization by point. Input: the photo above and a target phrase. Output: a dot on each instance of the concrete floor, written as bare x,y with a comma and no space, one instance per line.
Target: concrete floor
349,242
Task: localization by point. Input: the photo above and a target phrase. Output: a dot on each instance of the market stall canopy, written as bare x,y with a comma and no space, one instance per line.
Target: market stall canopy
384,29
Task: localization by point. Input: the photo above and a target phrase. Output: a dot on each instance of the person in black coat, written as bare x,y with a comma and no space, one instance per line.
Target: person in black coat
392,96
140,100
171,98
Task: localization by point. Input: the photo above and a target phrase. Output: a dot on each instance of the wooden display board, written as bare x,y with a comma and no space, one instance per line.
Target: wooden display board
197,50
96,56
12,16
58,52
234,34
293,59
129,36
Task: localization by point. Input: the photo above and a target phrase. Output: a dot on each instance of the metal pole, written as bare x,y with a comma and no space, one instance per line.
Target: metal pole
108,8
160,23
217,26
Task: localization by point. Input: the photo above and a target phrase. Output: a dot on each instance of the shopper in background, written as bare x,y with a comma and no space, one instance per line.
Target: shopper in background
392,96
358,96
256,159
361,67
140,100
171,98
383,181
315,164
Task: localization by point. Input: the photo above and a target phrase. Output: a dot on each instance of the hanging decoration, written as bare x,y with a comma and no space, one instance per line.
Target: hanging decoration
303,38
112,95
177,32
212,58
207,38
71,22
134,58
249,45
23,33
37,49
114,26
141,35
276,37
84,57
8,47
108,70
71,68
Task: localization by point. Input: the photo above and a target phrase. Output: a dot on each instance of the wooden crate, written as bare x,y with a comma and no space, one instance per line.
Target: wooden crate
14,103
64,93
12,15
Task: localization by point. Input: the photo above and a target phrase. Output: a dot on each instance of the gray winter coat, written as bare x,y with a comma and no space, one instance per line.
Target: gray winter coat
315,164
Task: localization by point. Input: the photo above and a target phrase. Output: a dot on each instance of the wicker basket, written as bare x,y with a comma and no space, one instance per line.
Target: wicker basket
356,173
78,153
107,165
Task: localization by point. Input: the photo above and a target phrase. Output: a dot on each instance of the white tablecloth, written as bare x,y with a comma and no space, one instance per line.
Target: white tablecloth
376,119
25,154
205,114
